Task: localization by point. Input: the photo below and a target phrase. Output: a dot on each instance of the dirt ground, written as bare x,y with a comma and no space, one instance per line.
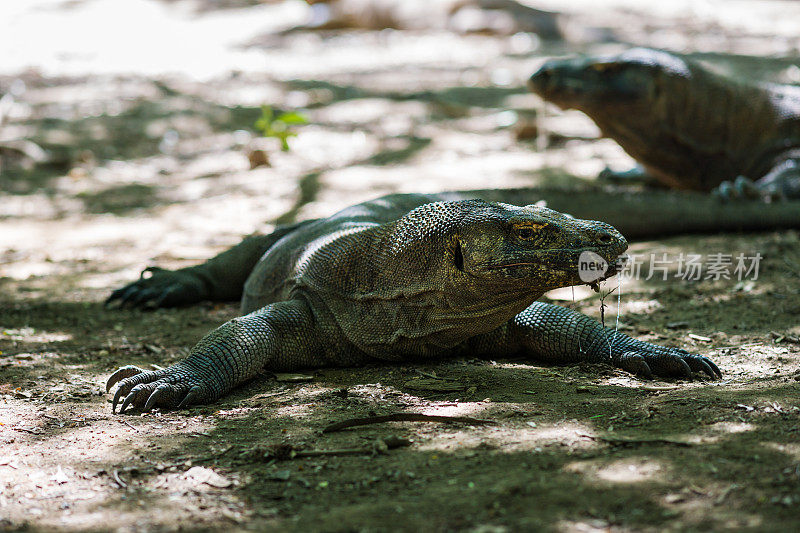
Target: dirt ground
147,110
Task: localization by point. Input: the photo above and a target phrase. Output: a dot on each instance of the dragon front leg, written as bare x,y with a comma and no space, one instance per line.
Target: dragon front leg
556,334
280,336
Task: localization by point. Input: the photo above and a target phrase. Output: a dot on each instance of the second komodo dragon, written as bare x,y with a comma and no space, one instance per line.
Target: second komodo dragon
400,278
689,127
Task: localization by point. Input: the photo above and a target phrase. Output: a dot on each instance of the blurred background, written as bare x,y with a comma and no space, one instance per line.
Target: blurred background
146,130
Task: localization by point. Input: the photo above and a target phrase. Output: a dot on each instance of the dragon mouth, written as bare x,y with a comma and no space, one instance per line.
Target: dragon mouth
556,260
614,268
568,270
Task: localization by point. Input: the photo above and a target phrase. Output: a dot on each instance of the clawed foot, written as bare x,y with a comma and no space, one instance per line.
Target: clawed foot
739,189
172,388
649,360
162,288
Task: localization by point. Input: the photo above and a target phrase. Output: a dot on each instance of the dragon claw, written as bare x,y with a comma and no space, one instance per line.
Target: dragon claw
704,364
741,188
122,373
128,401
648,360
117,397
152,399
635,364
159,287
192,395
685,370
172,388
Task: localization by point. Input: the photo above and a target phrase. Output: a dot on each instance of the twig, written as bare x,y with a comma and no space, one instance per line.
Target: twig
282,452
118,479
127,424
27,430
390,444
747,345
405,417
635,442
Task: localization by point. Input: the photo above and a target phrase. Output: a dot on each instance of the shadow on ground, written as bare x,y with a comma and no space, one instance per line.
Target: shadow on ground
582,446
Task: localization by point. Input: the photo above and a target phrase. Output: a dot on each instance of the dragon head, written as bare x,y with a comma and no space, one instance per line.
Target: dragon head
480,249
632,81
500,246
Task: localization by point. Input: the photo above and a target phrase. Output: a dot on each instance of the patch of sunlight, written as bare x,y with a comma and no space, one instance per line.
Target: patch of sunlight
641,307
372,110
577,294
333,148
294,411
569,294
26,359
730,427
23,271
475,409
149,509
635,470
48,466
79,440
85,519
560,432
31,335
209,42
587,526
792,449
756,360
505,439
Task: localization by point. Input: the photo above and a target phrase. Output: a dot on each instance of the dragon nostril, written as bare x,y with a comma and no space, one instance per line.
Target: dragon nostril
604,238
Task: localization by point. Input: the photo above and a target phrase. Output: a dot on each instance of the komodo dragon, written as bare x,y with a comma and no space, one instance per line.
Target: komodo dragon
689,127
415,276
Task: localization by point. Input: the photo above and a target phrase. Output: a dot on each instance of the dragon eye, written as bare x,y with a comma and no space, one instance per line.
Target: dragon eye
527,231
604,67
524,233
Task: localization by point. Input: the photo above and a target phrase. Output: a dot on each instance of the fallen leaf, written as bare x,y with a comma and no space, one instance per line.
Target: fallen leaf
201,474
60,477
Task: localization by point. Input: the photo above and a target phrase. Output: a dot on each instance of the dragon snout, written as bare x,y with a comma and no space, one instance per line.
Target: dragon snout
540,80
606,238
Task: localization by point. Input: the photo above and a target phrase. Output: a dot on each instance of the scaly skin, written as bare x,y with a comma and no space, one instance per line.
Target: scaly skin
403,277
689,128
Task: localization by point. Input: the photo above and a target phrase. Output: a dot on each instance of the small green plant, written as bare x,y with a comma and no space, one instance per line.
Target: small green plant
279,126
